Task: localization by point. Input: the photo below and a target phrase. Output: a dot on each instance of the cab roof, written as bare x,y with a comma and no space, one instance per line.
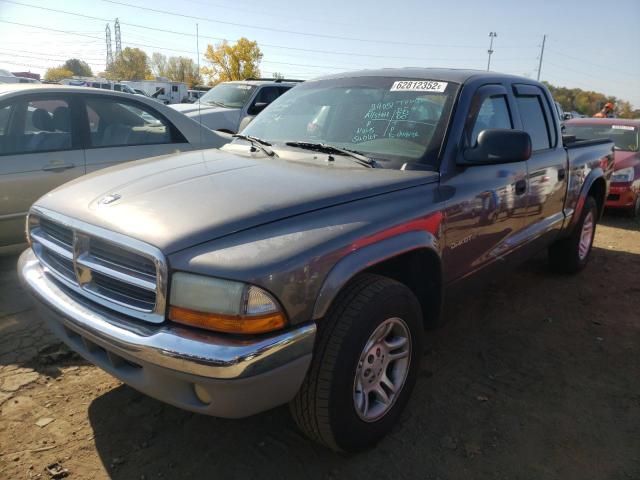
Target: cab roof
421,73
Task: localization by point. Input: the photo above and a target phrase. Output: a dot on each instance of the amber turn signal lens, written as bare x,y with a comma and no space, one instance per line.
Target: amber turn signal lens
228,324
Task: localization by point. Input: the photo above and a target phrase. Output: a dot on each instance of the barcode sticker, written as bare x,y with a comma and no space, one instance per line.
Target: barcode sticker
418,86
623,127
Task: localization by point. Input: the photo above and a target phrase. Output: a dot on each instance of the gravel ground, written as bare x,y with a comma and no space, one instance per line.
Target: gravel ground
536,378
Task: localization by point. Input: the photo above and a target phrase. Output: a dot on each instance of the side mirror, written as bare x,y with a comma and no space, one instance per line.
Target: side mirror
499,146
257,108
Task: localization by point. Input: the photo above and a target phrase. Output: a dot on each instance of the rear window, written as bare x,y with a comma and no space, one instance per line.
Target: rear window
534,121
625,137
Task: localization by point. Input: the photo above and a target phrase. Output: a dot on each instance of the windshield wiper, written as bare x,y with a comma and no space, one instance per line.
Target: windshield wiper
257,142
324,148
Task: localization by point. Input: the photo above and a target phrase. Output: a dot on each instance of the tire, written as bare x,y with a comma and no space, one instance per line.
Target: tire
325,407
634,211
567,255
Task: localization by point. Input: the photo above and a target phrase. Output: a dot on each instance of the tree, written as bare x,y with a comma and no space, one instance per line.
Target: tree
232,62
159,64
183,69
588,102
131,64
78,67
56,74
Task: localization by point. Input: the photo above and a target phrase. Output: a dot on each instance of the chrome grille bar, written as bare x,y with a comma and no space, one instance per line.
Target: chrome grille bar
108,268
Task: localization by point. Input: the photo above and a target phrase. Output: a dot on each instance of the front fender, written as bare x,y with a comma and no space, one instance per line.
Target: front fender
362,258
592,177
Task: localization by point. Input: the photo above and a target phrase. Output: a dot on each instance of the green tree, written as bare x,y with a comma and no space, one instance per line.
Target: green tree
588,102
78,67
232,62
159,64
183,69
56,74
131,64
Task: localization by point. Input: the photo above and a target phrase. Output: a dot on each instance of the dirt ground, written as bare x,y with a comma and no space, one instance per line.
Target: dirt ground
536,378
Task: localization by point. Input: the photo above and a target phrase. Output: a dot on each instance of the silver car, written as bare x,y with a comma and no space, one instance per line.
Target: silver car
229,106
50,134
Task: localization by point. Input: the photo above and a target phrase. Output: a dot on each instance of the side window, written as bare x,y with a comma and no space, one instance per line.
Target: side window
493,113
534,121
174,88
47,126
116,123
267,95
5,140
117,87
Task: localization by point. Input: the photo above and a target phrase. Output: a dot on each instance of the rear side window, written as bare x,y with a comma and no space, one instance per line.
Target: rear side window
114,123
493,113
534,121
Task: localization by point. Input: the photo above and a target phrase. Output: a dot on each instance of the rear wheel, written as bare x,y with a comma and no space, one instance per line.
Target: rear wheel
571,254
635,210
365,364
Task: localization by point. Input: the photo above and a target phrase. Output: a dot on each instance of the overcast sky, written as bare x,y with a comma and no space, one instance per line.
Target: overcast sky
592,45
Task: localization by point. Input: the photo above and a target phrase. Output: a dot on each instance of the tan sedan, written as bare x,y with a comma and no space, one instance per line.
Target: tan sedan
50,134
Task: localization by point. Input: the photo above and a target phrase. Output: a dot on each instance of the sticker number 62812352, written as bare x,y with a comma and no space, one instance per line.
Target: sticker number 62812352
418,86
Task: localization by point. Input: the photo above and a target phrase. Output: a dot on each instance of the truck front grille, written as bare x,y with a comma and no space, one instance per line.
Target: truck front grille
108,268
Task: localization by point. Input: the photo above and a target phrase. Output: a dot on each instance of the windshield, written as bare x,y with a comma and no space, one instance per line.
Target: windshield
391,120
230,95
625,137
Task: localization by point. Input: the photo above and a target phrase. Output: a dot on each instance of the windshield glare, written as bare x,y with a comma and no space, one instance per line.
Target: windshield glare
625,137
231,95
366,114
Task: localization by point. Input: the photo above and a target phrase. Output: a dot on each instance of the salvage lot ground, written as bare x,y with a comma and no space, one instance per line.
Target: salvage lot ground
538,377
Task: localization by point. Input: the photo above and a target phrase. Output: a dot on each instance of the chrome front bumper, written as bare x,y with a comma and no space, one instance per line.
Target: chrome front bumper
242,375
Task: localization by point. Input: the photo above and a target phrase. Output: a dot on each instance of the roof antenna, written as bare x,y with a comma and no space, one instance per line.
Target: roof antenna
198,63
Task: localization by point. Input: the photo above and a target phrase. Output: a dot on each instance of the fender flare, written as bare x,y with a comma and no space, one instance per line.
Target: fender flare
361,259
593,175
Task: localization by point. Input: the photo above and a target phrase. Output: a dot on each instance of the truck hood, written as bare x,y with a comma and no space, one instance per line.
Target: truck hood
624,159
191,109
177,201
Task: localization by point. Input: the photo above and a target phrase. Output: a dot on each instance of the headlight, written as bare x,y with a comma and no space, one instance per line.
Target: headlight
223,305
623,175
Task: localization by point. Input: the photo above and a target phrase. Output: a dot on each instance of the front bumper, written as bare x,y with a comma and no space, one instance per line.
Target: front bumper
242,376
621,196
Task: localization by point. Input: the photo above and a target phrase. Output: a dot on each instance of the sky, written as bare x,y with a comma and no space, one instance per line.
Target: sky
593,45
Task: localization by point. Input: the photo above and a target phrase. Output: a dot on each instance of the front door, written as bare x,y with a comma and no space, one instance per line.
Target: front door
119,130
484,218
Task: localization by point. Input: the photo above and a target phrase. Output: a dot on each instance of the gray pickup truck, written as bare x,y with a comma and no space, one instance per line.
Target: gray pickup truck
304,261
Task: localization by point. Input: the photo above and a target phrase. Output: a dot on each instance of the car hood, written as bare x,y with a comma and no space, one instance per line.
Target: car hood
191,109
177,201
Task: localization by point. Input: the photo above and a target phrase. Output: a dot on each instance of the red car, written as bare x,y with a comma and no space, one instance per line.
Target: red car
625,182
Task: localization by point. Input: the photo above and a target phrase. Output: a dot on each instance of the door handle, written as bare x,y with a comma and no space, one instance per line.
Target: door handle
561,174
57,167
521,187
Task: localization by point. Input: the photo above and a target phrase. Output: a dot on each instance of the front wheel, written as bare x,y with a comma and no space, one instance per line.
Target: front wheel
571,254
365,365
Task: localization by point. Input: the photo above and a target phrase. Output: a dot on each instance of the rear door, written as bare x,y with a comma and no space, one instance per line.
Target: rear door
118,130
547,175
40,149
484,219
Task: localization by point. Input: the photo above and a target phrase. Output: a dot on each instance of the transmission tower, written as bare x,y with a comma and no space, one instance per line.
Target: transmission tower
116,29
109,51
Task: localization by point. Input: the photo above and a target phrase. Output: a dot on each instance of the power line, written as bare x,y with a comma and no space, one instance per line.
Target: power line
608,67
49,59
60,57
280,30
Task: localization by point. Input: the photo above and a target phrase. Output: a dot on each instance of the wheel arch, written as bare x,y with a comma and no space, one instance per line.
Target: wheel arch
410,258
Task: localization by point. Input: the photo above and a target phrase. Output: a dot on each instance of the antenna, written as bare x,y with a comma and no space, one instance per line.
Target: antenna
198,64
490,51
116,28
108,40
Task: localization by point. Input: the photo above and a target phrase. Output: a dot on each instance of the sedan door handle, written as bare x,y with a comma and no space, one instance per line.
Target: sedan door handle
57,167
521,187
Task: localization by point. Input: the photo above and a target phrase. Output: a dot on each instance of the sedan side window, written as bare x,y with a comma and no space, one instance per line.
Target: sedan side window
116,123
265,95
36,126
494,113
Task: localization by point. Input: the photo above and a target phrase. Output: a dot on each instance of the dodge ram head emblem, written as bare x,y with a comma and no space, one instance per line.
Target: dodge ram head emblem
106,200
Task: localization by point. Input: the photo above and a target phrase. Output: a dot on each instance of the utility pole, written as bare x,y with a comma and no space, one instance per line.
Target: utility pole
544,39
490,51
107,31
116,28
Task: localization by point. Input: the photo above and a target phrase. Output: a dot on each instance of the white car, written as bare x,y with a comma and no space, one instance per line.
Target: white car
51,134
7,77
229,106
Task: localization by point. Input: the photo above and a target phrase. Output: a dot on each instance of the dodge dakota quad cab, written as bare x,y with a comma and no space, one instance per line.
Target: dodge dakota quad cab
304,261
